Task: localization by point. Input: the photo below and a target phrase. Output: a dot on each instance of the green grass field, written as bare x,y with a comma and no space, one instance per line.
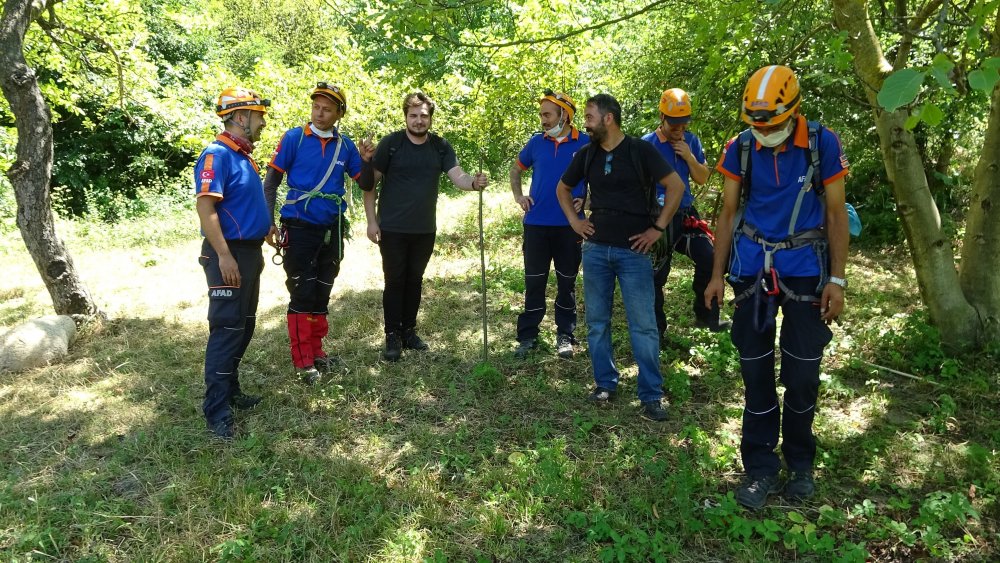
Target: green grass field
105,457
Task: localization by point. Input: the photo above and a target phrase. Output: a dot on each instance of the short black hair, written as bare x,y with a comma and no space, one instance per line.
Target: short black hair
606,103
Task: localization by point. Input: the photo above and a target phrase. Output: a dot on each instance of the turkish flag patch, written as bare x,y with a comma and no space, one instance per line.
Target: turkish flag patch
208,174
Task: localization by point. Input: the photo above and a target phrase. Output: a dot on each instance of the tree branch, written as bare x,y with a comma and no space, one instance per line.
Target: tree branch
656,5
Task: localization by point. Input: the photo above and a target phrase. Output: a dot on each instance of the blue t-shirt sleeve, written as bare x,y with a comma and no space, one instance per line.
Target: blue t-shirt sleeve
729,164
210,174
697,150
352,164
833,163
284,153
525,157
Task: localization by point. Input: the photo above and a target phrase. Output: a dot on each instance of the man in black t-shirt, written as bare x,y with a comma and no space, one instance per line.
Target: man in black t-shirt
409,163
623,225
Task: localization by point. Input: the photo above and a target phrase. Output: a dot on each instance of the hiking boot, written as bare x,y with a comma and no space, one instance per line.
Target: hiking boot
393,347
752,493
800,485
224,429
601,396
240,401
564,346
714,326
310,375
413,342
327,364
653,410
523,347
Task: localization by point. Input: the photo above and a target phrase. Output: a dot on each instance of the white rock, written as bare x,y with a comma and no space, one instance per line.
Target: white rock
38,342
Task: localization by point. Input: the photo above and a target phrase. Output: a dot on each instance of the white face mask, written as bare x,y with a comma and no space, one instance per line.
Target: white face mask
558,127
774,138
321,133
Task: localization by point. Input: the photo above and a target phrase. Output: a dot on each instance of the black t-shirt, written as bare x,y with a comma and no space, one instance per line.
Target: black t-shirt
620,202
408,200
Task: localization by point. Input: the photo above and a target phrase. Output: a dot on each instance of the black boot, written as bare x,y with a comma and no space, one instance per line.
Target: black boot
393,347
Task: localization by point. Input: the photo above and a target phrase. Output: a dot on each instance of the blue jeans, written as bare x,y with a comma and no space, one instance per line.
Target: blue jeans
602,264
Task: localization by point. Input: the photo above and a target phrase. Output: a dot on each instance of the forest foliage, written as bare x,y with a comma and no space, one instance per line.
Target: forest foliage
132,83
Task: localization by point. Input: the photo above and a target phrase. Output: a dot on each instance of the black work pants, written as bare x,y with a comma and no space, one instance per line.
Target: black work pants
311,263
232,317
404,259
542,246
695,244
803,337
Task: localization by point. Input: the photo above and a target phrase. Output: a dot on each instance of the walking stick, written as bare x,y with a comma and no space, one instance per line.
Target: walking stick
482,270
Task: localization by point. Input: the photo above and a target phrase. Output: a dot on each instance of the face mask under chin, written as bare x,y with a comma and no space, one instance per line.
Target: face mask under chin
775,138
556,129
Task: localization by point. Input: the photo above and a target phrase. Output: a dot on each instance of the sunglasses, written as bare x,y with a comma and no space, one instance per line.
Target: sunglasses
607,164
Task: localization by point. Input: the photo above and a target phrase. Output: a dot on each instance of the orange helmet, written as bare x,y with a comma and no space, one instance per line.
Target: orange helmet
771,96
331,91
232,99
561,100
676,106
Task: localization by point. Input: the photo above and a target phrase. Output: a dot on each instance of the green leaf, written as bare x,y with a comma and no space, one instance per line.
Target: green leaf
992,62
983,79
796,517
942,78
900,89
931,114
912,121
942,62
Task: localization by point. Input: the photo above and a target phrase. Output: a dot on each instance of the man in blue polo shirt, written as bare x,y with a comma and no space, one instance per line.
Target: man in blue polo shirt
689,234
783,242
316,157
234,222
548,238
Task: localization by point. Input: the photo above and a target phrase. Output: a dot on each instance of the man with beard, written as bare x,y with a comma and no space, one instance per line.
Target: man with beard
234,222
409,163
316,157
548,238
689,234
624,223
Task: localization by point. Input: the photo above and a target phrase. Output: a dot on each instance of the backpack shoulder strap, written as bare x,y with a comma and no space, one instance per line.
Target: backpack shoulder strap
744,144
815,130
647,181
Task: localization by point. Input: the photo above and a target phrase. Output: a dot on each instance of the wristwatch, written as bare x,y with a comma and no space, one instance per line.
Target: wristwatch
839,281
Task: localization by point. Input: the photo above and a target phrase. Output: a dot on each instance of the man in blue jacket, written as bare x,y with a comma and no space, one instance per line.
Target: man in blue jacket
234,222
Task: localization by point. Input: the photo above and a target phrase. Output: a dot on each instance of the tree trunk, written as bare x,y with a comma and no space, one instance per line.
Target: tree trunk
981,250
930,248
32,170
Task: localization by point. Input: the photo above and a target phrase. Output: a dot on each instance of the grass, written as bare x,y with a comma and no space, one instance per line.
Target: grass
438,458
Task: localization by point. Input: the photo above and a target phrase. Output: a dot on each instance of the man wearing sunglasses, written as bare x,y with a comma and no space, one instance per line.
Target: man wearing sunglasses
689,234
234,221
316,158
624,224
783,243
409,164
548,238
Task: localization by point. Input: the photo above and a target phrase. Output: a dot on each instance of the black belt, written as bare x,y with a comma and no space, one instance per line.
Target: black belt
249,243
